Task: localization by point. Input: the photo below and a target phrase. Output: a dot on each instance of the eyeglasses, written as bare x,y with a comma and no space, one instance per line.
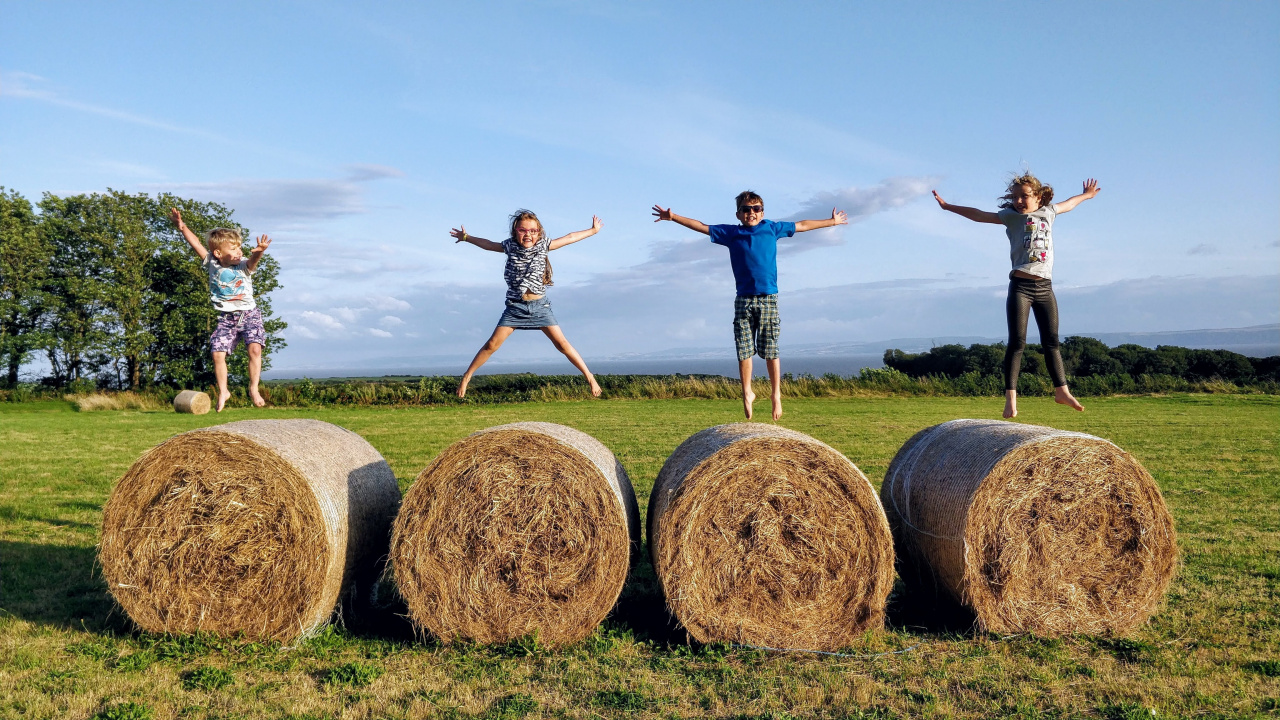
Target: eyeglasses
750,209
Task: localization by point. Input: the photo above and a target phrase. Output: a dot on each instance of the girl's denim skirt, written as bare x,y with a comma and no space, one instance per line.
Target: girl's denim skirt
528,315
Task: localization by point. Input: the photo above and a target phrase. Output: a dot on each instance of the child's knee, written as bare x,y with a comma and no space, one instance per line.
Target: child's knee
255,350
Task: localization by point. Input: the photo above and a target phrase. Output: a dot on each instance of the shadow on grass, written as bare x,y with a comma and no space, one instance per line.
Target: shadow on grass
924,609
642,609
59,585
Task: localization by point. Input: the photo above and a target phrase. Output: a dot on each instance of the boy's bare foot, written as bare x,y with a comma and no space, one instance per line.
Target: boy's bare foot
1010,406
1063,396
748,397
223,397
257,398
777,406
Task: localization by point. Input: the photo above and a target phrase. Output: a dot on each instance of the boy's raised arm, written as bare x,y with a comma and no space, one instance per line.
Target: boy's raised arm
258,252
837,218
192,239
1090,191
574,237
661,214
973,214
460,235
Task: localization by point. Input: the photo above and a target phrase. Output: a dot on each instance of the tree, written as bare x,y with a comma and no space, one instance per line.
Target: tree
76,334
24,263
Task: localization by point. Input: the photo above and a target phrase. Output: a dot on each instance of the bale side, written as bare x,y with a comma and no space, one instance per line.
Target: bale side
1033,529
765,536
516,530
251,527
193,402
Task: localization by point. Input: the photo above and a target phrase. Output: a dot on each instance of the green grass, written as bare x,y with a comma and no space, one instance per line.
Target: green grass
1212,651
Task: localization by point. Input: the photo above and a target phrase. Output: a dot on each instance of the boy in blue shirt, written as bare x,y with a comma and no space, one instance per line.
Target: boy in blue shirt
753,253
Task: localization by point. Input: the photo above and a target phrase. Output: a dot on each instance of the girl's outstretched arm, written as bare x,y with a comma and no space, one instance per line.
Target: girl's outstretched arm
1090,190
574,237
690,223
461,235
973,214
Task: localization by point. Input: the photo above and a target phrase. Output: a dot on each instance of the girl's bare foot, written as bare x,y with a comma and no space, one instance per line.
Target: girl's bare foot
257,398
777,405
748,397
1010,405
462,387
1063,396
223,397
595,388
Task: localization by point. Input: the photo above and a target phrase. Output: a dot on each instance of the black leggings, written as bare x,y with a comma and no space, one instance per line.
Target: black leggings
1038,296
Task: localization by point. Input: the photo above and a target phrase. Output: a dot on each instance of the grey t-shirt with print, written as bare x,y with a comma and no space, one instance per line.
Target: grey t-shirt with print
230,288
1030,240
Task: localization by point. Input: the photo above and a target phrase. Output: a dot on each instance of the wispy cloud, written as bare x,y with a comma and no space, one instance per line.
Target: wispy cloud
1203,249
858,203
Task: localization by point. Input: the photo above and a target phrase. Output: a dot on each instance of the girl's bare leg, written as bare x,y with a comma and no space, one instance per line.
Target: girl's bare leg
775,385
220,372
558,339
1063,396
748,395
499,336
255,372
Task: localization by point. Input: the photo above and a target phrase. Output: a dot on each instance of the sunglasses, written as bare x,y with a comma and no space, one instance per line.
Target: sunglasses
750,208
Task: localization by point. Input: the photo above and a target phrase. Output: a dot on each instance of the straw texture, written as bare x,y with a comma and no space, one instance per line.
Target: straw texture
765,536
192,401
253,527
517,530
1034,529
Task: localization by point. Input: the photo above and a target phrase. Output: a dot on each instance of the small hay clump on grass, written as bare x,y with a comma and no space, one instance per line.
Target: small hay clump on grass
517,530
765,536
1033,529
255,527
193,402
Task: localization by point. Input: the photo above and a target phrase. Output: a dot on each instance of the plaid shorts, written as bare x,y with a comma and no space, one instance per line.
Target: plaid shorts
756,326
235,326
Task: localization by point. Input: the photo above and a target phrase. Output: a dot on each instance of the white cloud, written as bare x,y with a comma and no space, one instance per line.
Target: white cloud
857,203
379,333
321,321
386,302
390,321
364,172
347,314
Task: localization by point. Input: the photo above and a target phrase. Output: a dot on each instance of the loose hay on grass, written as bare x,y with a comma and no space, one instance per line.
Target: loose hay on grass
192,401
517,530
1033,529
253,527
765,536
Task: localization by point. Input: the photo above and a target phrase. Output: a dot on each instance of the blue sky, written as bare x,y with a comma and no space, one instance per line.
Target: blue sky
357,135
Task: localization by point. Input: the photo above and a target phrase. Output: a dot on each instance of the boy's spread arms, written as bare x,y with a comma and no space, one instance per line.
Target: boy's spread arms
973,214
690,223
258,252
574,237
462,236
1090,190
192,239
837,218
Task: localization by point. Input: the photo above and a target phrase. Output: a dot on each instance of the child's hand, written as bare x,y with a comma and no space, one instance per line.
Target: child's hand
661,214
263,243
1090,188
596,224
460,233
176,216
839,217
941,203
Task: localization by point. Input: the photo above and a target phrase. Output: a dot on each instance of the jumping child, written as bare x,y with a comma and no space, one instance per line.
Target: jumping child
753,253
231,290
527,273
1027,213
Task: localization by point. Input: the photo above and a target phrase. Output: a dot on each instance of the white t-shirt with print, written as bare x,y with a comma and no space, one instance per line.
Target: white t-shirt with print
230,288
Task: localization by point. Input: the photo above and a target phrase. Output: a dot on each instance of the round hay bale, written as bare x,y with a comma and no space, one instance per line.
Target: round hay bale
253,527
1033,529
192,401
519,529
765,536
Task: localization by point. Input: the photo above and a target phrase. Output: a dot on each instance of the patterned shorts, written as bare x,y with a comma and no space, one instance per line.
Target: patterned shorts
235,326
756,326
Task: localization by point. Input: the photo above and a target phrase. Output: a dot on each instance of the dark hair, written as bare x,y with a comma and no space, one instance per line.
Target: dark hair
1044,191
747,196
520,216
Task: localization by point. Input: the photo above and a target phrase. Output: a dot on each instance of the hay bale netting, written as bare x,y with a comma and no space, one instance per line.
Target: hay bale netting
516,530
1033,529
765,536
192,401
253,527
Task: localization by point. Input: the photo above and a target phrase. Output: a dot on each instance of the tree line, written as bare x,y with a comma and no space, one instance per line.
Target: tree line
1087,357
104,288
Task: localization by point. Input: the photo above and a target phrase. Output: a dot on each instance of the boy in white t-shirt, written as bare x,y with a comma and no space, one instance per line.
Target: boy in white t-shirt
231,291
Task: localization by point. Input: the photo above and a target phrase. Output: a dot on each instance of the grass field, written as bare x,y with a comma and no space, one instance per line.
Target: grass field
1213,650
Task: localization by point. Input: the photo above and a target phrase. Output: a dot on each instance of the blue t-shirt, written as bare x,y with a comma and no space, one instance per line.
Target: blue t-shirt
753,252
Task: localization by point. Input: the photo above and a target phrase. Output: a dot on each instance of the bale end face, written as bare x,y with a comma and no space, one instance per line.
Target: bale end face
193,402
